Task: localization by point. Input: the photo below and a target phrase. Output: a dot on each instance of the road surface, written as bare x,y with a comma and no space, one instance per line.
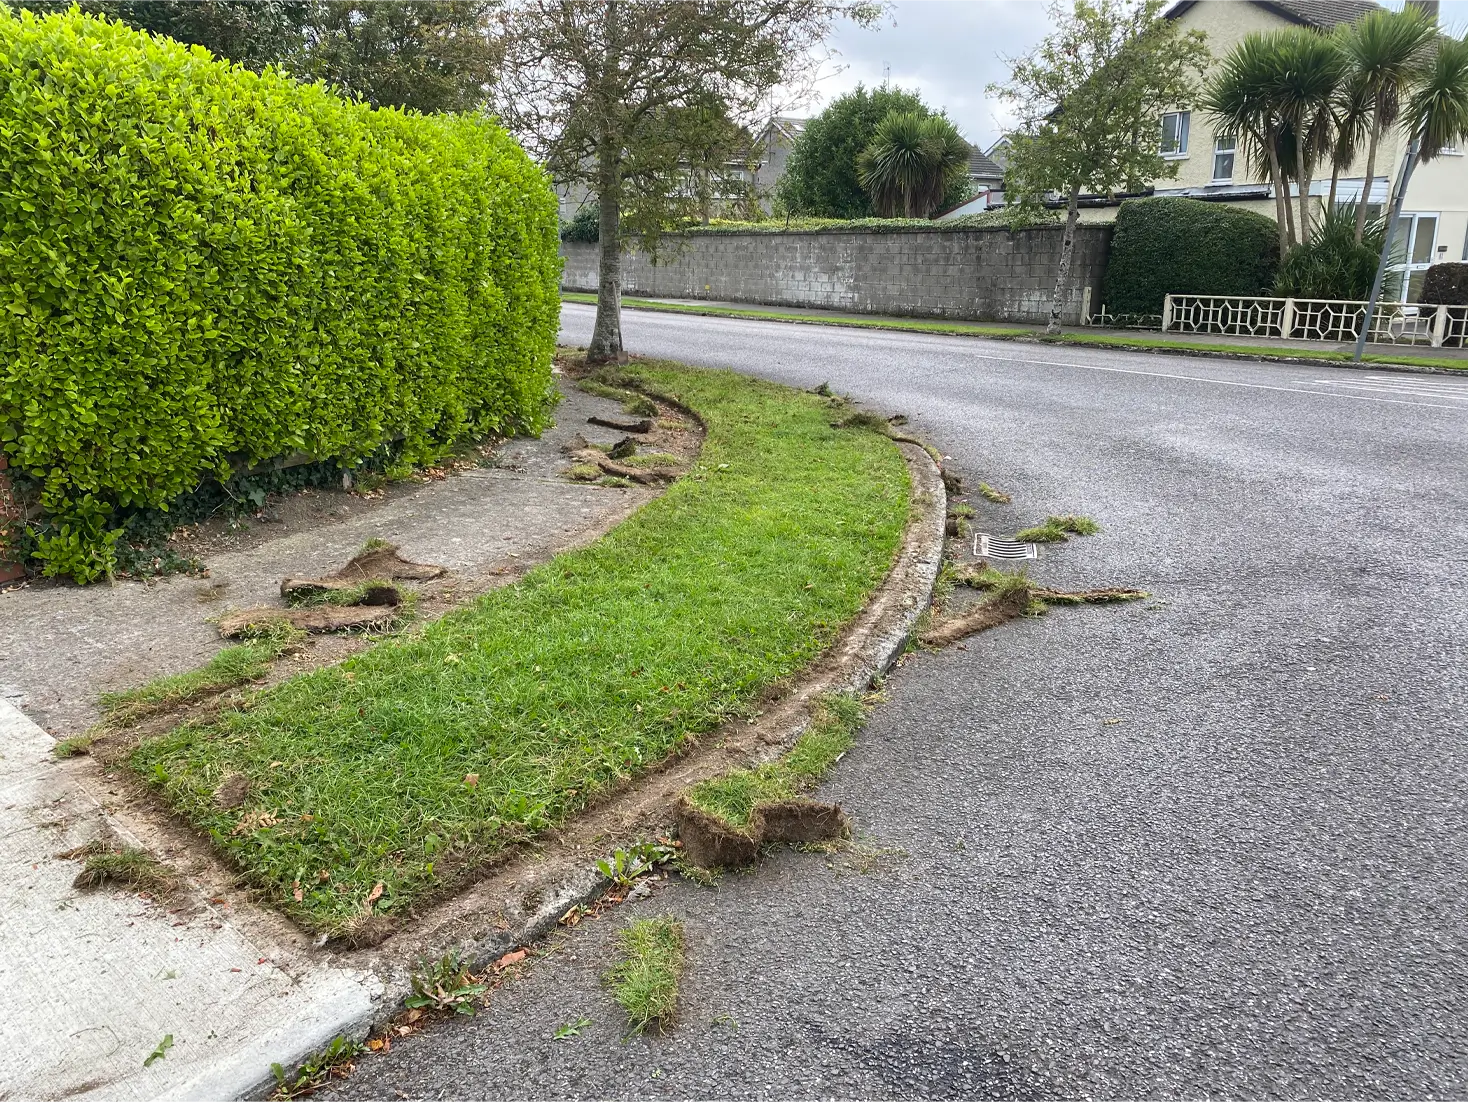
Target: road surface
1212,844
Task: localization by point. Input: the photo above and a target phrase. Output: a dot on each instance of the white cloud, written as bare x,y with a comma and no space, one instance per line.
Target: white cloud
950,50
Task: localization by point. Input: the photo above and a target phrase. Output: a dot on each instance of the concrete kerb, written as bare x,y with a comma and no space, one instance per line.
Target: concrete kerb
261,994
1117,346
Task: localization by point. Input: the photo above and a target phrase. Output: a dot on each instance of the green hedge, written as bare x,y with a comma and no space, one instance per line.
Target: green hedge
1187,247
1446,284
203,268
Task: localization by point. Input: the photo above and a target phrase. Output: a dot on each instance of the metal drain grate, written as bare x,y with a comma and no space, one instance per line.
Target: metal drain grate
987,547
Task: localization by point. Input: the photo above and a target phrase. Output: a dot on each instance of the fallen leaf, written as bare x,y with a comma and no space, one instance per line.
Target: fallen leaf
375,894
323,876
297,892
571,917
308,818
412,1016
510,958
377,1044
471,779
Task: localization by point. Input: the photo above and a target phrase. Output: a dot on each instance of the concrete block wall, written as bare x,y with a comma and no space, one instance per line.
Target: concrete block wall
982,275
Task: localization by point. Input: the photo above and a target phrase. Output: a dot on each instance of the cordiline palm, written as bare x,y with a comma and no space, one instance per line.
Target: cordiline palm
1385,51
1352,124
1308,71
910,163
1240,99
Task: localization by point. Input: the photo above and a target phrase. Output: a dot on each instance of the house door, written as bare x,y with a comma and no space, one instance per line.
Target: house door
1415,240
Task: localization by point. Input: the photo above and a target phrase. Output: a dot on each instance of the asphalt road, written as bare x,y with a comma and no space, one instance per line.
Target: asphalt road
1209,845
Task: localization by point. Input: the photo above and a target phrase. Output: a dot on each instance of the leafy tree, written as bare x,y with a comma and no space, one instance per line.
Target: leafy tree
430,55
636,99
911,164
254,33
1088,100
820,177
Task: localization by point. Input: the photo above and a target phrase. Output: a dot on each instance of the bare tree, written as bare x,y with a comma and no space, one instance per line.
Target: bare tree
634,98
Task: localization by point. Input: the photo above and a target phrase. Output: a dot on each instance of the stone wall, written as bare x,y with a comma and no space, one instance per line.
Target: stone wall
984,275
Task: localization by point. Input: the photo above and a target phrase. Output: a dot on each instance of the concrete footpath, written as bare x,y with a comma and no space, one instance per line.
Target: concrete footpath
95,982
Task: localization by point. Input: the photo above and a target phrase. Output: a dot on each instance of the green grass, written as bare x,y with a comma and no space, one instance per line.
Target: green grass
988,493
590,670
1001,332
734,796
1058,530
125,866
236,665
72,747
644,980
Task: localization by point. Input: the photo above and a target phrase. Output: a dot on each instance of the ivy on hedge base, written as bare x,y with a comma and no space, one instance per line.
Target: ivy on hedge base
1167,246
201,264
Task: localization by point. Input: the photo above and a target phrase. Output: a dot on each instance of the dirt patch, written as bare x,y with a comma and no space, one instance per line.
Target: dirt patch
981,617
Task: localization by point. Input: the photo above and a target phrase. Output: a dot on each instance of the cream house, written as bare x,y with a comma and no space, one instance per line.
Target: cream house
1434,224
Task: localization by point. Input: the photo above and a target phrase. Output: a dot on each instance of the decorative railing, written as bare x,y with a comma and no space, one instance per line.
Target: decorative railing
1308,319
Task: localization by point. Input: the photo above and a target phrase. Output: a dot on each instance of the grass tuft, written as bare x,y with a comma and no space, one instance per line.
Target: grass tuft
644,981
651,459
232,666
988,493
583,472
733,796
1058,530
554,691
128,866
72,747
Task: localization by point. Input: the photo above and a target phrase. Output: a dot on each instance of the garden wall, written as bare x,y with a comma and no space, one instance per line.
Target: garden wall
985,274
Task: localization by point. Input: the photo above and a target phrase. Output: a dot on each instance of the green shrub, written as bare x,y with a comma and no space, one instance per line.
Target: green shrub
204,268
1333,265
585,226
1186,247
1446,285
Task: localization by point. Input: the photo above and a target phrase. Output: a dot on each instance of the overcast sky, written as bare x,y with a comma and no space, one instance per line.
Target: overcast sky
948,50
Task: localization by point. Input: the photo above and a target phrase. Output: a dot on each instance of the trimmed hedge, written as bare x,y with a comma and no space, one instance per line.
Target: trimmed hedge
203,268
1446,284
1186,247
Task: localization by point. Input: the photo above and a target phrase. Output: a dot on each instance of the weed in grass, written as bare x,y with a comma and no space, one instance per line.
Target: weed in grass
72,747
445,984
733,796
1058,530
645,980
988,493
159,1052
127,866
333,1060
590,670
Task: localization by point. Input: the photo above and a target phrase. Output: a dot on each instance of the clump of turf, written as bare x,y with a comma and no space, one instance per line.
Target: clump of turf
128,866
733,796
644,980
232,666
1058,530
72,747
583,472
998,497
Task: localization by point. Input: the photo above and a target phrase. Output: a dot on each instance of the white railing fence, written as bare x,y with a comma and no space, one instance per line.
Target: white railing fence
1308,319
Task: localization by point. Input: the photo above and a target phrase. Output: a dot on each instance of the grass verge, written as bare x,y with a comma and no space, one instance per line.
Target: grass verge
1001,332
236,665
644,980
390,779
733,796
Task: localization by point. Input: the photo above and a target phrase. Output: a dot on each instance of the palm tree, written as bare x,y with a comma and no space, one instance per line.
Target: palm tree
1385,51
1436,120
1307,72
1352,123
910,163
1240,99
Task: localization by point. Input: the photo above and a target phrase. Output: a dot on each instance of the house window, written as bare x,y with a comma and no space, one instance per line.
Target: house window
1224,147
1175,133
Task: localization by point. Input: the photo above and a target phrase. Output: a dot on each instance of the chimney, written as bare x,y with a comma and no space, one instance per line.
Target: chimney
1428,7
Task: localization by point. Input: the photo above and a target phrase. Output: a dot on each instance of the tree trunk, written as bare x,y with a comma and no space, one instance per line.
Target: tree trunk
1302,172
1067,247
606,334
1281,197
1370,174
1335,179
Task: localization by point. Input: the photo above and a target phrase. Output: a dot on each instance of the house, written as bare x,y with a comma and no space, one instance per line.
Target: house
1434,224
986,177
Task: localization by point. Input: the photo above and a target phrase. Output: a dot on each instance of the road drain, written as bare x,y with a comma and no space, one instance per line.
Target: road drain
988,547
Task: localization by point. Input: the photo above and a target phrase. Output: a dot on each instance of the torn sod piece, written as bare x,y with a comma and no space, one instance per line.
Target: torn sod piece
644,981
723,821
